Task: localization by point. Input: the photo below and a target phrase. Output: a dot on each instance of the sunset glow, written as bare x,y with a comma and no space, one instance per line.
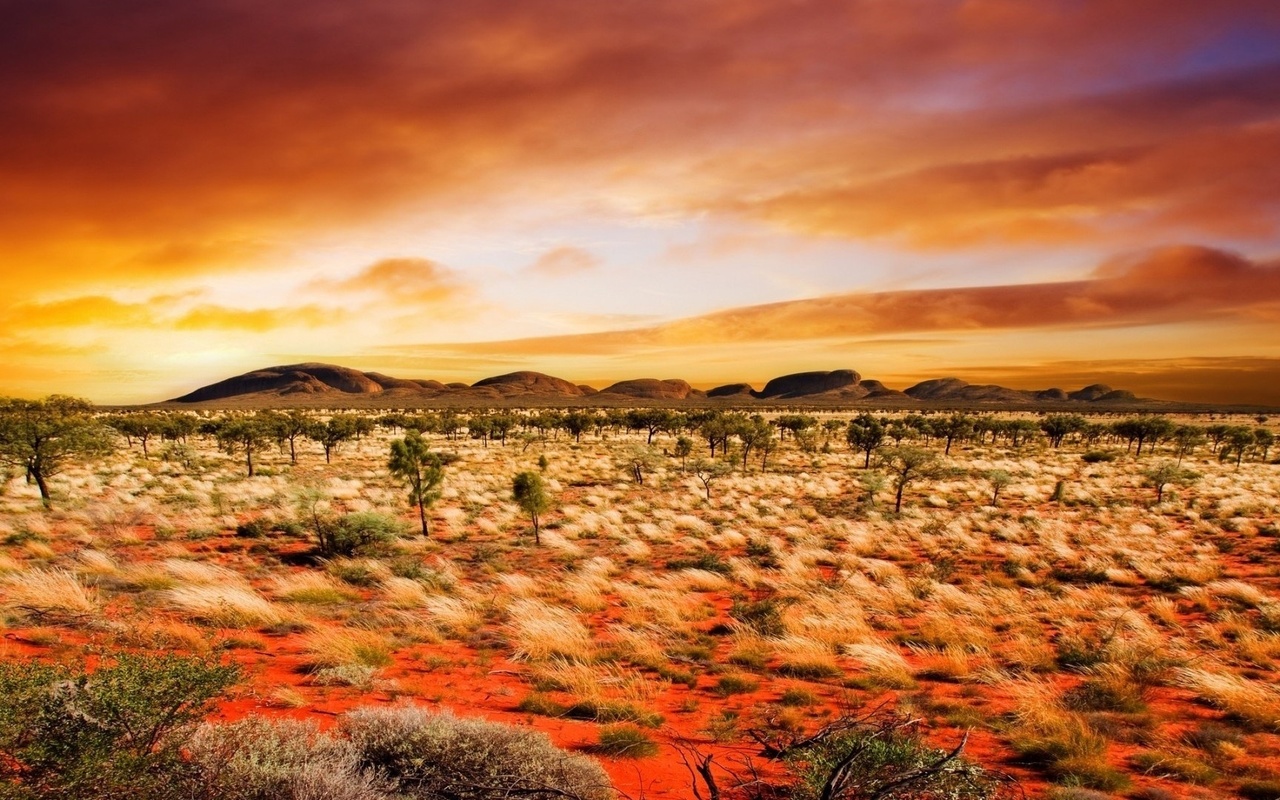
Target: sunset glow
1030,193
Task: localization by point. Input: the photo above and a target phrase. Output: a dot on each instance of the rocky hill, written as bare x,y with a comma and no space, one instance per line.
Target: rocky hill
328,384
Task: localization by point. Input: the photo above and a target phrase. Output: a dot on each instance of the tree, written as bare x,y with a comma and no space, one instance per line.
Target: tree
652,420
1186,438
684,446
143,427
530,494
998,478
906,465
752,432
1059,426
1263,440
575,423
1165,473
332,432
956,426
865,433
242,433
1239,440
287,427
708,472
42,437
420,470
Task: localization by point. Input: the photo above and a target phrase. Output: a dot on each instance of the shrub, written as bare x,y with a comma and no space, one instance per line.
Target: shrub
1099,456
798,698
625,741
735,684
872,760
430,755
114,732
255,759
352,534
762,616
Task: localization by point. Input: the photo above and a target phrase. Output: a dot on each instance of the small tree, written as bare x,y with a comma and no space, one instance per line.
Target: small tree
287,427
905,465
420,470
708,472
332,432
998,478
1165,473
242,433
684,446
865,433
41,437
530,494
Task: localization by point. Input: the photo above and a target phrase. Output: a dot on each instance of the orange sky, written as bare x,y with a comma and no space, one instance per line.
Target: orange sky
1037,194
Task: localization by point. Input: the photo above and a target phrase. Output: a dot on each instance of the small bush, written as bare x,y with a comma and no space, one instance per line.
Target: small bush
876,757
352,534
429,755
255,759
1260,789
798,698
115,732
735,684
625,741
1099,456
762,616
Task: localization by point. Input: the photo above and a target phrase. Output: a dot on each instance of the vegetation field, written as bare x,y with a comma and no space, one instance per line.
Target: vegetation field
842,604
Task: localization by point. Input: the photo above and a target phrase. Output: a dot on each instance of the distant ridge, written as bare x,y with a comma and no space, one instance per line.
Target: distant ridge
315,384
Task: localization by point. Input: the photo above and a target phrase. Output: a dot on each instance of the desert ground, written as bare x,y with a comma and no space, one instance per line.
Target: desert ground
1036,604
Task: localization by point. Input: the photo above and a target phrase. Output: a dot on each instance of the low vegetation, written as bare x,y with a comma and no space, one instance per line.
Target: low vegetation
1078,604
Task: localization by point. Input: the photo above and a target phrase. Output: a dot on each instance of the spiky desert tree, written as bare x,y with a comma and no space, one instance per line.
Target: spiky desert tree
530,493
421,470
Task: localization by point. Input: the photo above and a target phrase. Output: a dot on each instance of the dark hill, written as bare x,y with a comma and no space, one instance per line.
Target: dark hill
293,379
525,382
653,389
315,384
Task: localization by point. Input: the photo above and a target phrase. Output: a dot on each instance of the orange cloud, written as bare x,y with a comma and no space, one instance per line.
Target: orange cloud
407,281
563,261
129,141
1177,284
258,320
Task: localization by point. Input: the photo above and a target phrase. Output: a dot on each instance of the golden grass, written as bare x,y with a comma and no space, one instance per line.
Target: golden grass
48,592
541,632
224,606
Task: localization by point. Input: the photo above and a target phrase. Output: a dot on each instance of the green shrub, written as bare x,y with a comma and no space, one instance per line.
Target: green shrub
735,684
352,534
428,755
1099,456
762,616
625,741
875,759
798,698
114,732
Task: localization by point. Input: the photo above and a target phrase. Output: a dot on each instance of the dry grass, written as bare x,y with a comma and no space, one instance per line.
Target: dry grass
224,606
48,592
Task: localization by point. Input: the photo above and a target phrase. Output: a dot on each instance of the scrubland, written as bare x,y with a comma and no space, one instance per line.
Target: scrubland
1084,637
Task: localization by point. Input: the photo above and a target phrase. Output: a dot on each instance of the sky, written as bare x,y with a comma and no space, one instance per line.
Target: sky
1035,194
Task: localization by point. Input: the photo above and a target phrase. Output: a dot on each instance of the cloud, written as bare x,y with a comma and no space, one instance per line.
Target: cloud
404,281
259,320
161,312
128,139
1166,285
563,261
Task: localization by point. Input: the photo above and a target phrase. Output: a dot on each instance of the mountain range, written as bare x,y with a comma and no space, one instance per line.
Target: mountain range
315,384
